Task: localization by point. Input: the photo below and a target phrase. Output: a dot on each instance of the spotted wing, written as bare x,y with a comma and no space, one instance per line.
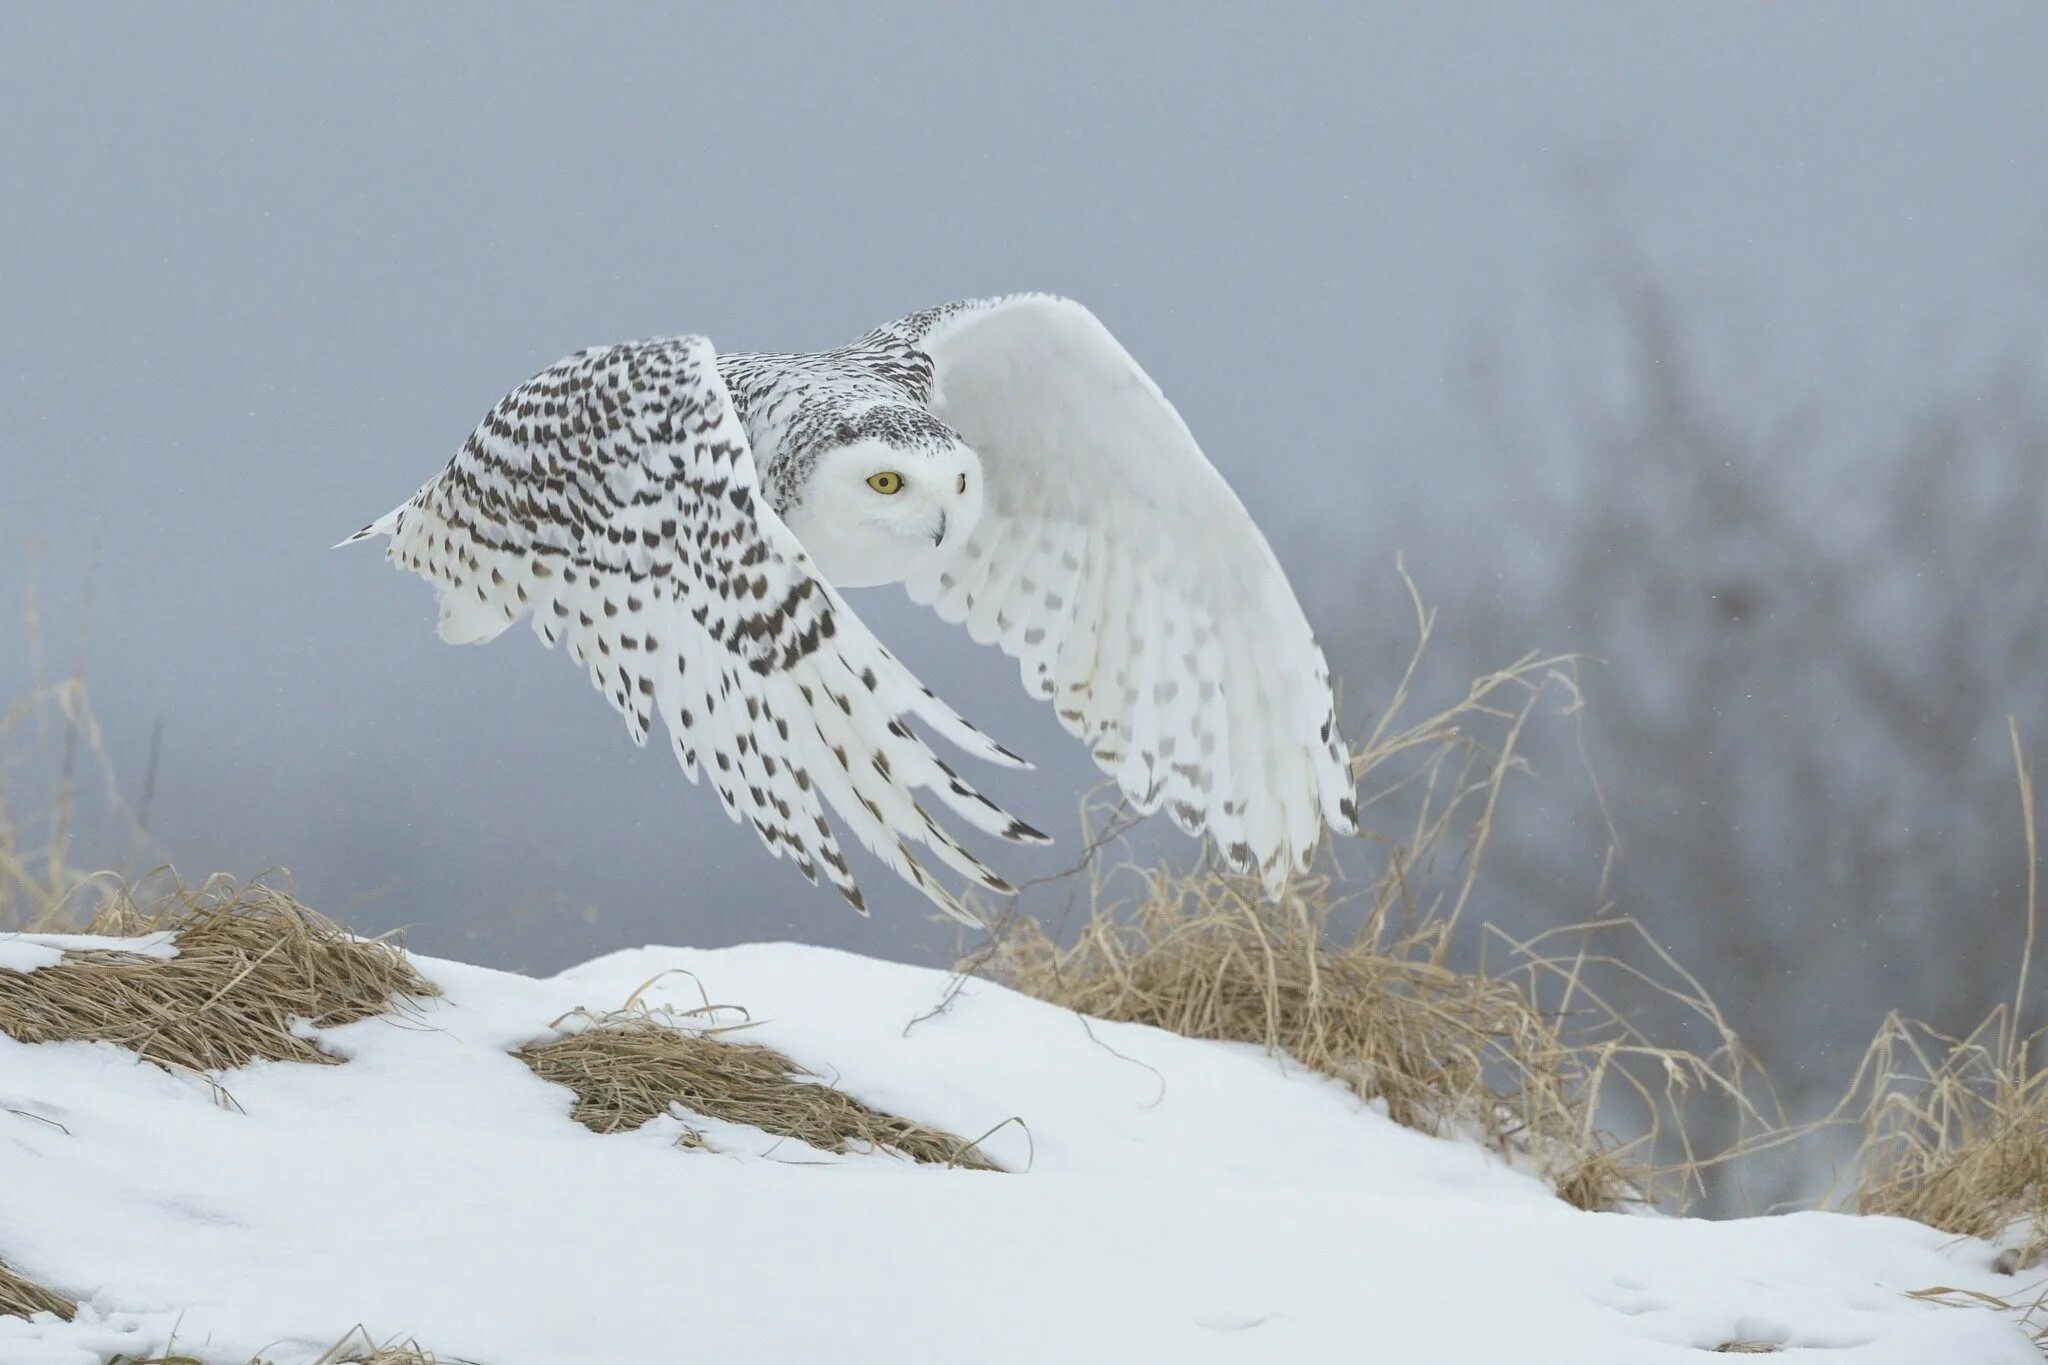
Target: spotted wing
1128,580
612,498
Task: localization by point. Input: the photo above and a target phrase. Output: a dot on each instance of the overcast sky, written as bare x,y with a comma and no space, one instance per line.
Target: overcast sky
263,267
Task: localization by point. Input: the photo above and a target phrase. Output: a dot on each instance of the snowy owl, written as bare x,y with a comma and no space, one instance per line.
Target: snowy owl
686,521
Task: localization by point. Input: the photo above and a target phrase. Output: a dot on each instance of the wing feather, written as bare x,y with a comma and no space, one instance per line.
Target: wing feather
1076,671
1138,718
1048,593
1118,568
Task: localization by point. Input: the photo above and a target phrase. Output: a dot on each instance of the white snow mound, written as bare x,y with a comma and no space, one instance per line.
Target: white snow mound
1174,1201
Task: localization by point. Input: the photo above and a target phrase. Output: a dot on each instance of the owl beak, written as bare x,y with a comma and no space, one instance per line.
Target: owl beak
939,536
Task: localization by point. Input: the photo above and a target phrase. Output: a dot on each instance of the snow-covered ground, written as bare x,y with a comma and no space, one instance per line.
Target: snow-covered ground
1184,1201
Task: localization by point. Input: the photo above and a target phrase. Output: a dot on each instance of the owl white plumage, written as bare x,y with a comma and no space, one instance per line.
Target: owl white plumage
684,520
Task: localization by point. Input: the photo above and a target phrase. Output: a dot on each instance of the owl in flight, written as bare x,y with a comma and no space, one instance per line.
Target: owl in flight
685,522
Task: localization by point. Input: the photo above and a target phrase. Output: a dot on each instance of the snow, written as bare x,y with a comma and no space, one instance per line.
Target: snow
1184,1201
27,952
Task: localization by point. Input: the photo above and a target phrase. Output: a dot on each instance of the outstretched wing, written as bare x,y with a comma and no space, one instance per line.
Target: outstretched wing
1121,571
613,498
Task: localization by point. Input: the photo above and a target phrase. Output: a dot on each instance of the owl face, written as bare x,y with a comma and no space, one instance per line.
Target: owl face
892,493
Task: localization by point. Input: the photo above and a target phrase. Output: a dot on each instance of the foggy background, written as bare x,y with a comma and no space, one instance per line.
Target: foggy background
1705,340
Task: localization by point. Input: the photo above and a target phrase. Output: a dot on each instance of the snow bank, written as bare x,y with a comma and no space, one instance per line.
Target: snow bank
1170,1200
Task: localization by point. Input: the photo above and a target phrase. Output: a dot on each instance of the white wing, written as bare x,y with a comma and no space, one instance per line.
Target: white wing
613,496
1121,571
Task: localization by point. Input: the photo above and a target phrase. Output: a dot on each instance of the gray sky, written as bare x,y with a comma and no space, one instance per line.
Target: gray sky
263,267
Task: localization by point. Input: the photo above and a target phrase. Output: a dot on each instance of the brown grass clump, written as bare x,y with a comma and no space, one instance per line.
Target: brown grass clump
1956,1135
22,1298
631,1066
1204,956
251,960
1520,1059
1955,1130
1443,1050
391,1353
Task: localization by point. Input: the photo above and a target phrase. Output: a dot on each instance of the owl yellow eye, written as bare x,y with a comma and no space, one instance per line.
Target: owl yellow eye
888,481
961,486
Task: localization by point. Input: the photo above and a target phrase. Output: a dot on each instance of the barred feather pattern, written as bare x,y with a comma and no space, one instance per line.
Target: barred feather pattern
614,500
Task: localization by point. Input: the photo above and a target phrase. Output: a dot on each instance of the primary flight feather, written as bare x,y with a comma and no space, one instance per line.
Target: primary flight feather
683,521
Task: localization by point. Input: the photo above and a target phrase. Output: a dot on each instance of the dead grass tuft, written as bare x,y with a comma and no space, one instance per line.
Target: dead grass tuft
21,1298
1523,1059
1443,1050
633,1065
360,1348
251,963
1955,1130
1956,1135
399,1353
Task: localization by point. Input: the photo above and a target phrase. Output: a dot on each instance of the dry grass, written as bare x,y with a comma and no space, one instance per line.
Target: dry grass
51,736
251,961
632,1065
1442,1049
1956,1129
22,1298
53,727
357,1348
2031,1314
1956,1134
1525,1059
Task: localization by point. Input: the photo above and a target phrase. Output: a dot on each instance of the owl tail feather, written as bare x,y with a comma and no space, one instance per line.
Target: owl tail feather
382,526
477,599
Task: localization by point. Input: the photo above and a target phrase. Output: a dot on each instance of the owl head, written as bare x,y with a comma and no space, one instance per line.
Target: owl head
890,492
